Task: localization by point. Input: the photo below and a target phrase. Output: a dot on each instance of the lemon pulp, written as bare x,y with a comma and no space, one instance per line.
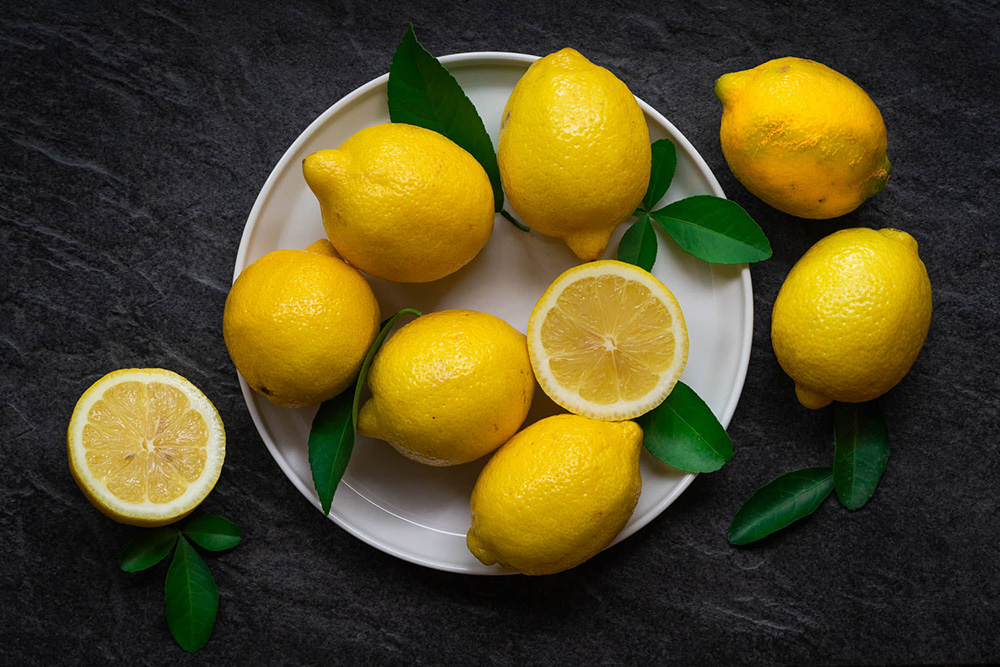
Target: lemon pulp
146,446
608,341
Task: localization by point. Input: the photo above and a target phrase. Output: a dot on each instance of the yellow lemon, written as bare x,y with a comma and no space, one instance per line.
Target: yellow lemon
805,139
607,341
402,203
556,494
852,316
145,446
298,324
449,387
574,151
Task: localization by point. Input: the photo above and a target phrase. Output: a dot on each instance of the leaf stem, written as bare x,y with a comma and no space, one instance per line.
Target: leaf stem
376,344
514,221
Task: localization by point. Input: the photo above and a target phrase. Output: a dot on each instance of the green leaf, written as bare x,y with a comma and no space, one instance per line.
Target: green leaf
638,244
714,229
661,173
331,442
422,92
192,598
147,549
331,438
214,533
683,432
780,502
861,450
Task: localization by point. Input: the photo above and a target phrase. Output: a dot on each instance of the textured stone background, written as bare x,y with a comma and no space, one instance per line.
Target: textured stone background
134,137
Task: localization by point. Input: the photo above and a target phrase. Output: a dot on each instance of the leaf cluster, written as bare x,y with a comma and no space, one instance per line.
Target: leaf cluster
190,593
861,451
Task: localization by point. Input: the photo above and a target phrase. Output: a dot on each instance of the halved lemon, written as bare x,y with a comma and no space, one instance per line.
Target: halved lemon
607,341
145,446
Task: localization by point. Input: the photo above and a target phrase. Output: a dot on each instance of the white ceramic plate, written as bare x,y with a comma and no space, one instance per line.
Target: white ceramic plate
420,513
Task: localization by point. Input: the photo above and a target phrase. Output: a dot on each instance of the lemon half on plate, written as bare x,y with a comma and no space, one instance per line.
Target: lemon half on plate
607,341
145,446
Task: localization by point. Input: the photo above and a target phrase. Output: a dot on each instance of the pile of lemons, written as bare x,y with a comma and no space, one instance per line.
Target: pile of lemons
606,341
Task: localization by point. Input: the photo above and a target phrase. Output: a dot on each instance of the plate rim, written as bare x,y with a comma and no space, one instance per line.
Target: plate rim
467,59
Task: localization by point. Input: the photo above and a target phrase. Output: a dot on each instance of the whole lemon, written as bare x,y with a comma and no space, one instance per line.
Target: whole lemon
852,316
556,494
803,138
402,203
298,324
449,387
574,151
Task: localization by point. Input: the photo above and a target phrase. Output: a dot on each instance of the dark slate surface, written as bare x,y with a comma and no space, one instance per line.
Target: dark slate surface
133,141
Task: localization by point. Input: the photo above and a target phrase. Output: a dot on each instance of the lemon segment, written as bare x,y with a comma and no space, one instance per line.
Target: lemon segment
145,446
607,340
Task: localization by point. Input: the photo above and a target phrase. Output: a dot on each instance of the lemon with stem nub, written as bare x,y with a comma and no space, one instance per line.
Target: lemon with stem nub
574,151
556,494
802,137
851,316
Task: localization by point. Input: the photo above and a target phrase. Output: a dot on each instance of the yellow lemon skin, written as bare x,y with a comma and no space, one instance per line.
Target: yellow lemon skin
298,324
556,494
802,137
402,203
851,316
449,387
574,151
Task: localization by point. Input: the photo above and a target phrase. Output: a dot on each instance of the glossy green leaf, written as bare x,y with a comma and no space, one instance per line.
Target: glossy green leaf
861,450
192,598
714,229
683,432
213,532
331,443
331,437
780,502
147,548
422,92
638,244
661,172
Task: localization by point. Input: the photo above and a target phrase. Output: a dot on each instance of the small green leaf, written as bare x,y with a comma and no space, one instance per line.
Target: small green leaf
638,244
422,92
780,502
331,442
661,173
683,432
714,229
331,438
147,549
214,533
861,450
192,598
